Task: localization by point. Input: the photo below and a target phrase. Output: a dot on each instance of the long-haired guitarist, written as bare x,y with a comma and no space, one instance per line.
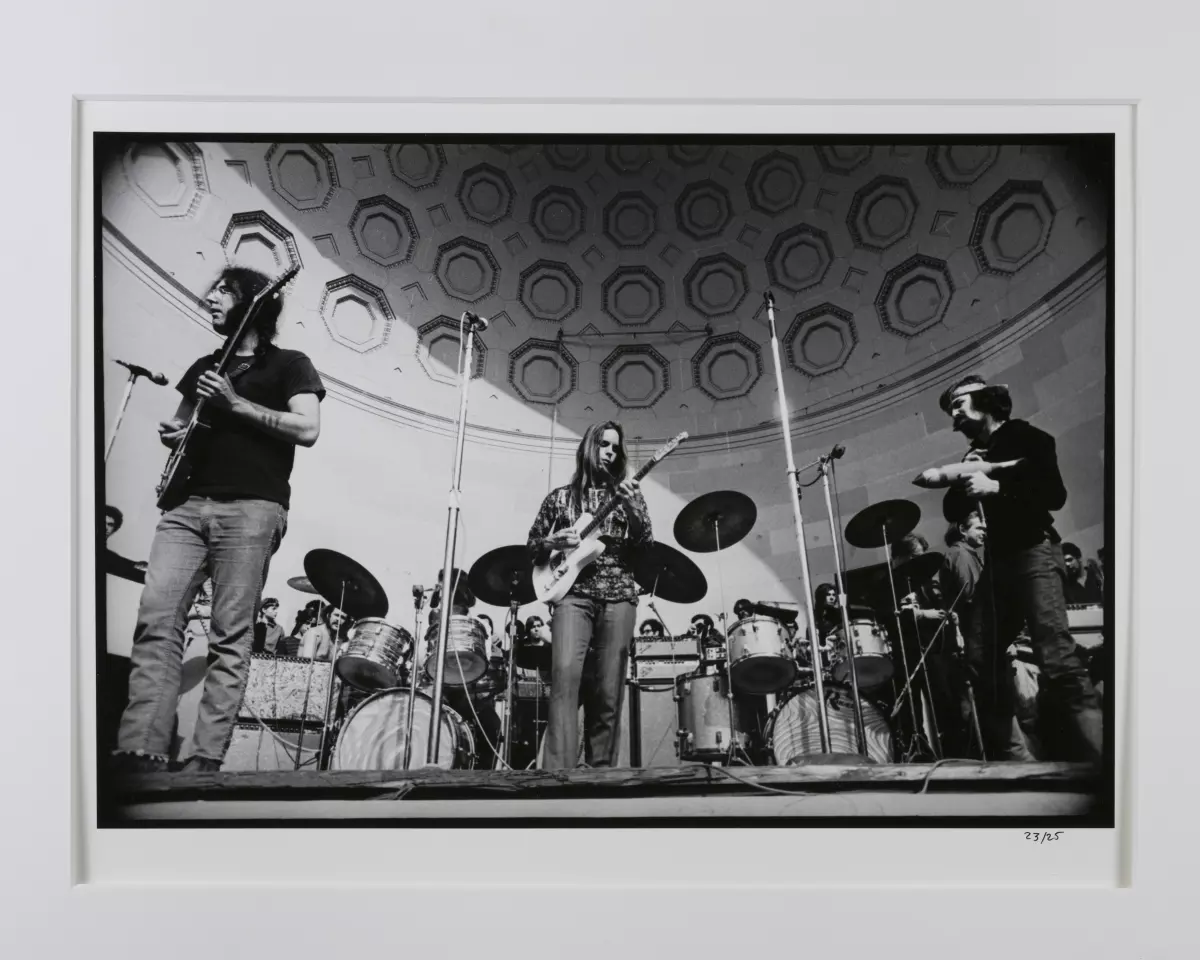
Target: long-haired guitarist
227,524
595,619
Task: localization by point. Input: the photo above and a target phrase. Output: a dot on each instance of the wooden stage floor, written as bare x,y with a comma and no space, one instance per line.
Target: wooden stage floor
959,789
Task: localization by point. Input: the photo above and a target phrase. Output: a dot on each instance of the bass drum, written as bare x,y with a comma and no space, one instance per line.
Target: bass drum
374,735
794,730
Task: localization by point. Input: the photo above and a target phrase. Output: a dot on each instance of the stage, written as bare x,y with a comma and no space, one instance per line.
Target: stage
958,789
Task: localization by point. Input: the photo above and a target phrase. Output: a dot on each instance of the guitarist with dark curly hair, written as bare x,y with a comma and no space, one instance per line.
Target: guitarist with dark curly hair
244,410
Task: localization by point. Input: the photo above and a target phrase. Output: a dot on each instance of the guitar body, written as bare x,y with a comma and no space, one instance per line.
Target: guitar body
172,486
552,579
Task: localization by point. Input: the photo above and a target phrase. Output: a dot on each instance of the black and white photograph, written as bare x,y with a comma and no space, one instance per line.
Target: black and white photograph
644,480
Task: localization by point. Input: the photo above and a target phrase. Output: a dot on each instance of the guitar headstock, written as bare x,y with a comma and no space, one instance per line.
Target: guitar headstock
273,288
669,446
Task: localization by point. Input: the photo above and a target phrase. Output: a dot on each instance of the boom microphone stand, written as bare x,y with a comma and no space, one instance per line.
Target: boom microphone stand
802,549
134,372
469,324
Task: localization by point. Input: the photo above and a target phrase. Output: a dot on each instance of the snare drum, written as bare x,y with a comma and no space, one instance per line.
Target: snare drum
373,736
760,659
466,651
794,729
702,705
872,654
374,655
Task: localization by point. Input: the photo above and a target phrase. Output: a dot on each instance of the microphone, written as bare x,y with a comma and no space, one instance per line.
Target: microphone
769,298
137,371
836,453
480,322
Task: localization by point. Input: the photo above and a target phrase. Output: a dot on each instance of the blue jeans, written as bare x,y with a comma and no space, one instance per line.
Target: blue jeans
232,542
577,625
1028,587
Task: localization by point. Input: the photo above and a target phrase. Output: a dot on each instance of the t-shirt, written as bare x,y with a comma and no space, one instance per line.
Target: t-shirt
238,460
1018,516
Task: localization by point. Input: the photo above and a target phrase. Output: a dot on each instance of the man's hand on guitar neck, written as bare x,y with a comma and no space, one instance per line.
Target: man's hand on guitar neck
627,488
170,432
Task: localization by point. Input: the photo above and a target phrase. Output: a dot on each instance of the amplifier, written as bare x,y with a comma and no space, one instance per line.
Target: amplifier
1086,621
277,686
253,747
532,690
666,648
657,668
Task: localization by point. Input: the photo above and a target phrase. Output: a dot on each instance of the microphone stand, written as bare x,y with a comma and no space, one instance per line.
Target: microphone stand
112,437
801,547
510,697
413,670
468,326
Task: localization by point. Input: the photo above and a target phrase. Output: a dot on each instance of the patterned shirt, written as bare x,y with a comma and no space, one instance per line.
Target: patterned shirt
610,576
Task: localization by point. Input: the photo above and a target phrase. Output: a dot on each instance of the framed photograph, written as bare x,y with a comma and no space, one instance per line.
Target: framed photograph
720,492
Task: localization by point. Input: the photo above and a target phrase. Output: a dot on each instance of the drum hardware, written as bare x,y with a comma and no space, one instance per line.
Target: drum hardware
923,570
375,654
465,651
373,737
792,732
758,660
698,737
881,525
469,324
418,594
699,527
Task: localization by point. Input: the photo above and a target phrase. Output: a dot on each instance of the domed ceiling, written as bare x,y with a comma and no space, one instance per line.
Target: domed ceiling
626,280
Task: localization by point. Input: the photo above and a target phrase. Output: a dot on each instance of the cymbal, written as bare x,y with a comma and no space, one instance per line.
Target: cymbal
922,567
345,584
498,573
303,584
669,574
725,512
881,523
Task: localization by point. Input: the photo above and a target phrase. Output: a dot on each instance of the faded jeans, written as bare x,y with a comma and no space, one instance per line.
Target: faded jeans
606,628
1028,588
232,542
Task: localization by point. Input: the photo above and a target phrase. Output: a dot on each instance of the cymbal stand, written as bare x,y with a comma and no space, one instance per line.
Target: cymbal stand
322,759
801,547
510,632
726,669
467,329
891,577
413,670
937,746
860,735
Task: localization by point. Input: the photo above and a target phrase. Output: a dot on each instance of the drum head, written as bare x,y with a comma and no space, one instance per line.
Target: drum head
759,675
366,674
374,735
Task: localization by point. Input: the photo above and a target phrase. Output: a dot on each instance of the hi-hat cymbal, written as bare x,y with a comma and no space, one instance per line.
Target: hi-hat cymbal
880,523
723,517
303,584
669,574
920,568
502,574
345,584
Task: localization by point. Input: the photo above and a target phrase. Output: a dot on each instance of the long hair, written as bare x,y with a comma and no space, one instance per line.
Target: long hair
245,284
588,471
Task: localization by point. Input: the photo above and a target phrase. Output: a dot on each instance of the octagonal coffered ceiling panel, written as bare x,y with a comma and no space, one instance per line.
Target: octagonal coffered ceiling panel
774,183
550,291
485,194
820,340
384,231
635,377
689,154
438,346
543,371
356,313
727,366
960,165
259,241
169,177
703,210
419,165
914,295
1012,227
466,270
304,174
630,220
633,296
558,215
715,286
567,156
799,258
627,158
882,213
843,158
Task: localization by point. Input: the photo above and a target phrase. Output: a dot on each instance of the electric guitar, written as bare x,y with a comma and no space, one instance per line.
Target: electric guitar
552,579
182,461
